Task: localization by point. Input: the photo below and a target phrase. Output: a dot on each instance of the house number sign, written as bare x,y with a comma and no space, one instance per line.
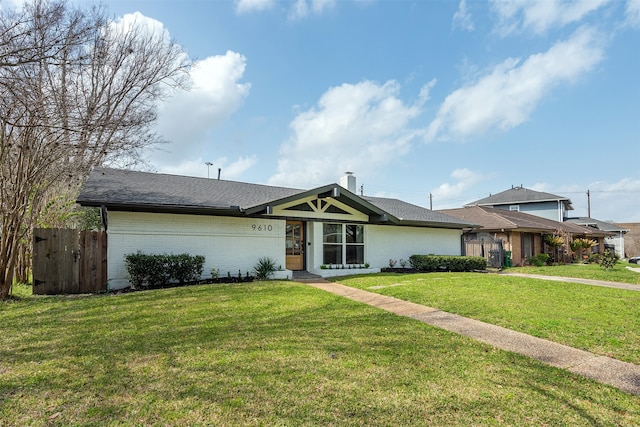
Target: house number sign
261,227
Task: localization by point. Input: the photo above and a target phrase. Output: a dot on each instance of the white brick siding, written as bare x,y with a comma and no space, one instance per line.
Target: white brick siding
231,244
382,242
227,243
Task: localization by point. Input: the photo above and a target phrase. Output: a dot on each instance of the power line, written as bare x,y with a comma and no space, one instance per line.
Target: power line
600,191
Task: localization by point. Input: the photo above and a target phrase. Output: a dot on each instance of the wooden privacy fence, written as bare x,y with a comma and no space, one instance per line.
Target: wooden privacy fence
491,250
67,261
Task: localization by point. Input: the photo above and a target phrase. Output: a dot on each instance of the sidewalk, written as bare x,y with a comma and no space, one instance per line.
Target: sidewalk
617,285
623,375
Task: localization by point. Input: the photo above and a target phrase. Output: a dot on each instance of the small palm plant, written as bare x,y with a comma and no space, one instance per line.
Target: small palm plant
581,244
555,242
264,268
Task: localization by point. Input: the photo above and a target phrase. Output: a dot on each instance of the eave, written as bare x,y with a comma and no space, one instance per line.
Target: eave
172,209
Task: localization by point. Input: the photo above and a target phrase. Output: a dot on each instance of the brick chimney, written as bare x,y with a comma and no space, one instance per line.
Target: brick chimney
348,181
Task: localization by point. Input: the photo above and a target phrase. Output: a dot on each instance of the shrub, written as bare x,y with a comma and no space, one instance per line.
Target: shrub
608,259
185,268
593,258
430,263
160,270
539,260
264,268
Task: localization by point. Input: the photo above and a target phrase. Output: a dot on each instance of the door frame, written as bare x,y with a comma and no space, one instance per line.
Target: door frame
301,264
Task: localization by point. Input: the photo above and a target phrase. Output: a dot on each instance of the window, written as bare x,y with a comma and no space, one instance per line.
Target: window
332,243
343,244
527,245
514,208
354,244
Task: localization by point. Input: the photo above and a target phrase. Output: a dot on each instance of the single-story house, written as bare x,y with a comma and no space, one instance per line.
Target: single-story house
521,233
615,240
327,230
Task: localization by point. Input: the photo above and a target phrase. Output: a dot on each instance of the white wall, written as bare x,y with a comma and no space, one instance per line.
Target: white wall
232,244
229,244
382,242
552,210
618,242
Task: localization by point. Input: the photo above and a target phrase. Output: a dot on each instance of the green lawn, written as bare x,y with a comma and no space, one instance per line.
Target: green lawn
270,353
604,321
619,273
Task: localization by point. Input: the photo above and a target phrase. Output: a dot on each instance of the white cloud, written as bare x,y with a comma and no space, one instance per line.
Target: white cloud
462,17
542,15
632,13
234,170
425,91
198,167
138,21
448,195
12,4
355,127
188,117
303,8
508,94
249,6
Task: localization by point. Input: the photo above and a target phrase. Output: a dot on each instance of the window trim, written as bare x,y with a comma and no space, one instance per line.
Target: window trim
343,243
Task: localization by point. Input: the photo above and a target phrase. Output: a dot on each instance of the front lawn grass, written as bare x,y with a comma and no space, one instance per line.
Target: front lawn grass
619,273
602,320
270,353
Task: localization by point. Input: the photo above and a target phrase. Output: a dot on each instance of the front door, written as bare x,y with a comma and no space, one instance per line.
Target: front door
294,245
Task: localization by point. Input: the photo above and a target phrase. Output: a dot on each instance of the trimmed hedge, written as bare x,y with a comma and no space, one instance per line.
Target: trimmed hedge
431,263
160,270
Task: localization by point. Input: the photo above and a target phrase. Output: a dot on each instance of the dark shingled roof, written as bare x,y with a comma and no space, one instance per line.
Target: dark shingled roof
519,195
407,212
492,219
132,190
600,225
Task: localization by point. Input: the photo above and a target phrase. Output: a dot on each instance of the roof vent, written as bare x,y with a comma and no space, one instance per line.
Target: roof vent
348,181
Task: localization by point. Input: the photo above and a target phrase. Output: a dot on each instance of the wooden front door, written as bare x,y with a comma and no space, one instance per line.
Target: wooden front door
294,244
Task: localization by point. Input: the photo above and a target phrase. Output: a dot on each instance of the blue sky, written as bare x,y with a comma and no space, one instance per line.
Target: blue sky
457,99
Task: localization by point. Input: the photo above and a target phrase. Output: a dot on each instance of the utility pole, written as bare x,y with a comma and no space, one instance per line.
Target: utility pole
588,204
209,164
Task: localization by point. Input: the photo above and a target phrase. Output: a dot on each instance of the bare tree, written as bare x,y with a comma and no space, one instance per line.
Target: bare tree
76,90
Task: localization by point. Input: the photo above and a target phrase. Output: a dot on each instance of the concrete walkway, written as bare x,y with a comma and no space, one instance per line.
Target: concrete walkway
623,375
617,285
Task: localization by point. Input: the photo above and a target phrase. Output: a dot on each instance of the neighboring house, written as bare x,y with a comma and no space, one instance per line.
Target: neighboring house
631,239
233,224
552,207
521,233
522,199
615,241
